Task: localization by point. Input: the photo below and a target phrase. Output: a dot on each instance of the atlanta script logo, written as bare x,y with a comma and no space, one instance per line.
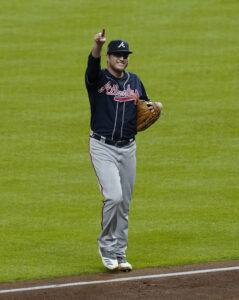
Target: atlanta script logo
121,96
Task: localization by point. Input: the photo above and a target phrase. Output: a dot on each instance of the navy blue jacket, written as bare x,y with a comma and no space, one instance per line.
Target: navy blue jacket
112,101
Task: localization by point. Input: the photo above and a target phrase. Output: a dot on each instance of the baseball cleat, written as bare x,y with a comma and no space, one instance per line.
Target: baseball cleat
123,265
109,259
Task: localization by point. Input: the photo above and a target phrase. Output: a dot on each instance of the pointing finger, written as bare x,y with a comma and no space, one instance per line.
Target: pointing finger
103,33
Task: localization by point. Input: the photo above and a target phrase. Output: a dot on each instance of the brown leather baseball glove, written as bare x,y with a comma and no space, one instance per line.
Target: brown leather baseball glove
147,114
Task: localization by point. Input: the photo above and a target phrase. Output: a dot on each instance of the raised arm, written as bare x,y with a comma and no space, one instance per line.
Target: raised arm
99,39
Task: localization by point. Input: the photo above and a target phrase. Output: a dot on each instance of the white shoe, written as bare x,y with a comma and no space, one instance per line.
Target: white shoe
109,259
123,265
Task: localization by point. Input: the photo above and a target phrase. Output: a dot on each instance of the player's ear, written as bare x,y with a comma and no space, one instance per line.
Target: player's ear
107,58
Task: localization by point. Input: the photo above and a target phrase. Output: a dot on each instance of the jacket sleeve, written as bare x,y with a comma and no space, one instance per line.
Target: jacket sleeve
92,72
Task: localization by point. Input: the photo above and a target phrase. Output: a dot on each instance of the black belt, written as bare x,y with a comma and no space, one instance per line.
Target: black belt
119,143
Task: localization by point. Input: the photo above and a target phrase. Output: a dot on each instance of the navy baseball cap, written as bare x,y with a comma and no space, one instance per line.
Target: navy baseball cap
118,46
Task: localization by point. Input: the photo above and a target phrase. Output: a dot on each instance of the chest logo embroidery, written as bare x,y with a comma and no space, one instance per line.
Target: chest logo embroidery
121,96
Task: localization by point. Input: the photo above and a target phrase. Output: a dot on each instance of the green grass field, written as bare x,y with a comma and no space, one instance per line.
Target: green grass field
185,206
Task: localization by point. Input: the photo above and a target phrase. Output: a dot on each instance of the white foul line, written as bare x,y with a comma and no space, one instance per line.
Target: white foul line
118,280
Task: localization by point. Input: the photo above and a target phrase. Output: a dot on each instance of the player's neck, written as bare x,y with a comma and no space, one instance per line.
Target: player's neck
117,74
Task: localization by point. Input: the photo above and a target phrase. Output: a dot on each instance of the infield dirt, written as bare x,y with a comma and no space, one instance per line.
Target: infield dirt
213,285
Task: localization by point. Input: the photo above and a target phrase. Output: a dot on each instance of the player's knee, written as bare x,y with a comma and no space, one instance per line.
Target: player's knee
117,198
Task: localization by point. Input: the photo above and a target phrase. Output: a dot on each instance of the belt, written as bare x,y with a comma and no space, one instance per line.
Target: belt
119,143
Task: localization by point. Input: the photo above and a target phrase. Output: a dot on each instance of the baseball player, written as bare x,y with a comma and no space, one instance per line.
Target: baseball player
112,94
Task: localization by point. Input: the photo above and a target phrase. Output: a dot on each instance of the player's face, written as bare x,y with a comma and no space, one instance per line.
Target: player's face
117,62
